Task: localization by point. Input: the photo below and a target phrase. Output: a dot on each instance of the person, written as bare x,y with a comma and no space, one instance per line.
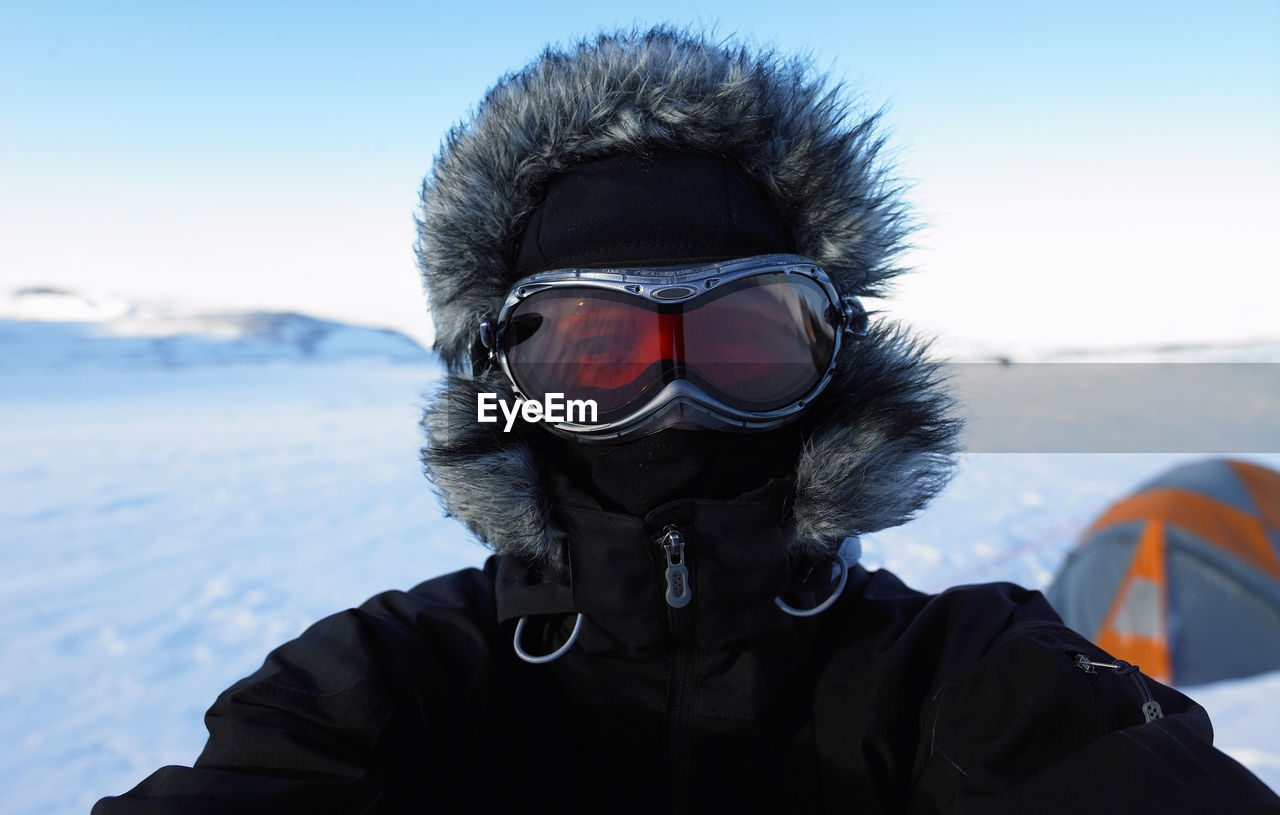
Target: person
678,232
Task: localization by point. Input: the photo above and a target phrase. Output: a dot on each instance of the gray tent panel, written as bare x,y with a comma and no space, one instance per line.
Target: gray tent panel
1224,616
1214,478
1086,586
1141,611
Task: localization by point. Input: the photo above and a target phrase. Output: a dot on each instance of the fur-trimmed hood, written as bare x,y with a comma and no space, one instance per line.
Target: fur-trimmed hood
881,440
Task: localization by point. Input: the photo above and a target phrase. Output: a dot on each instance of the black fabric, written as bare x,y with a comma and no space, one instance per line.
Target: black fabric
651,210
635,476
891,701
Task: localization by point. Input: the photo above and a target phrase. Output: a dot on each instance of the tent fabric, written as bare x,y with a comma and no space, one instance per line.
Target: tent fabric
1138,623
1243,534
1086,598
1214,477
1238,631
1264,489
1183,576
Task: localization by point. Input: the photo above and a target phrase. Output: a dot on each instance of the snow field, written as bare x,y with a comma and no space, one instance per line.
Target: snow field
162,530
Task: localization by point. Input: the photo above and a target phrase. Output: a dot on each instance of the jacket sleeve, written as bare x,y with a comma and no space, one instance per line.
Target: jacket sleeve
1035,728
342,720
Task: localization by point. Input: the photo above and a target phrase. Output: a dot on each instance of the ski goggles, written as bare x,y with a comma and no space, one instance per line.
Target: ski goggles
741,345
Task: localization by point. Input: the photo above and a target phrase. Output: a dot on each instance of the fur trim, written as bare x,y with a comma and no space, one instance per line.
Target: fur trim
485,477
880,440
880,445
644,93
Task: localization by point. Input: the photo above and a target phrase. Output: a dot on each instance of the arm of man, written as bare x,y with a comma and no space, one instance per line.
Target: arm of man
1035,728
360,714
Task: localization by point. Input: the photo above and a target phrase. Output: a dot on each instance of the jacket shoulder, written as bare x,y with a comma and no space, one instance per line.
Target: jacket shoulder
442,622
1021,713
348,715
945,635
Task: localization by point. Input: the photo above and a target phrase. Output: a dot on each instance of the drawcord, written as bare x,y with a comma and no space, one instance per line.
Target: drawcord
554,655
825,604
678,595
1151,709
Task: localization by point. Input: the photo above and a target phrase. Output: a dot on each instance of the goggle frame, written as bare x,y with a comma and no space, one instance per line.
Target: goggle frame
673,285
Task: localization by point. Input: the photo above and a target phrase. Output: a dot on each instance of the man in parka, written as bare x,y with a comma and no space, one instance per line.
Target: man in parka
678,232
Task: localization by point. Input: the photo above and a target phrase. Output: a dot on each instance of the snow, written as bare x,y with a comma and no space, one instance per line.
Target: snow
47,329
169,517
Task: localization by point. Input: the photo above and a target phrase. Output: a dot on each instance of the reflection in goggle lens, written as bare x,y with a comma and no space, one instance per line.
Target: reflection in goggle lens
757,344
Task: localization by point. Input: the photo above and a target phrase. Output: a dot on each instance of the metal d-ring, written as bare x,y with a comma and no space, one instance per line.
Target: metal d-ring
825,604
554,655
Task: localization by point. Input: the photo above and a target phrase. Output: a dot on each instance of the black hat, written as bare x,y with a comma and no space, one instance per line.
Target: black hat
668,208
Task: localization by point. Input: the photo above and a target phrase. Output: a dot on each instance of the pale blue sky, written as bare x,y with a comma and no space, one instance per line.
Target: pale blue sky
1111,162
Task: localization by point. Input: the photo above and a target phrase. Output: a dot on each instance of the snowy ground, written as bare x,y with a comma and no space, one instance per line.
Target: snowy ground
164,527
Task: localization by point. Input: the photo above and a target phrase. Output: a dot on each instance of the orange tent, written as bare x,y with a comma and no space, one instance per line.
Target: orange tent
1183,576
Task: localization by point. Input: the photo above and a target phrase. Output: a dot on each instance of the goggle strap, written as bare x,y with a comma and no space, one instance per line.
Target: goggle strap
484,350
856,320
488,336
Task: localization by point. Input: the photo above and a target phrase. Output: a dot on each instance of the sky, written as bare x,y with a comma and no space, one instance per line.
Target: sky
1084,174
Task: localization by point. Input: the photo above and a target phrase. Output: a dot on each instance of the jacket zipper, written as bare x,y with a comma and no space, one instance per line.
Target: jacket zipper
678,596
1151,709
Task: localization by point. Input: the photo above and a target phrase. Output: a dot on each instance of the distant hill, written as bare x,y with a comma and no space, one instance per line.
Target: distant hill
51,329
1261,349
1258,350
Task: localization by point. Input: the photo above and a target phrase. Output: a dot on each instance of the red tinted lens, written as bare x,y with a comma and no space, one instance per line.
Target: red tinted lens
758,343
589,344
764,342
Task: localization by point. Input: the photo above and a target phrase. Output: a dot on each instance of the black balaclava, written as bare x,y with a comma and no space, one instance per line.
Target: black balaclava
657,210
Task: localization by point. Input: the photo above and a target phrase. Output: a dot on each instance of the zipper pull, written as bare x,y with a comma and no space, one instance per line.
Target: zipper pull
1151,709
679,592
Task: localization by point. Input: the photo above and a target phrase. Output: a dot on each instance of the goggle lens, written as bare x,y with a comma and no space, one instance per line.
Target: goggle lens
758,343
762,344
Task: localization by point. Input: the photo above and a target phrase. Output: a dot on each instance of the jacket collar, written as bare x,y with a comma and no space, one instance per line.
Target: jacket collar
736,551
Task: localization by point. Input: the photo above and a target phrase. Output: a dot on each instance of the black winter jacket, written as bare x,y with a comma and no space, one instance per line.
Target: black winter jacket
977,700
